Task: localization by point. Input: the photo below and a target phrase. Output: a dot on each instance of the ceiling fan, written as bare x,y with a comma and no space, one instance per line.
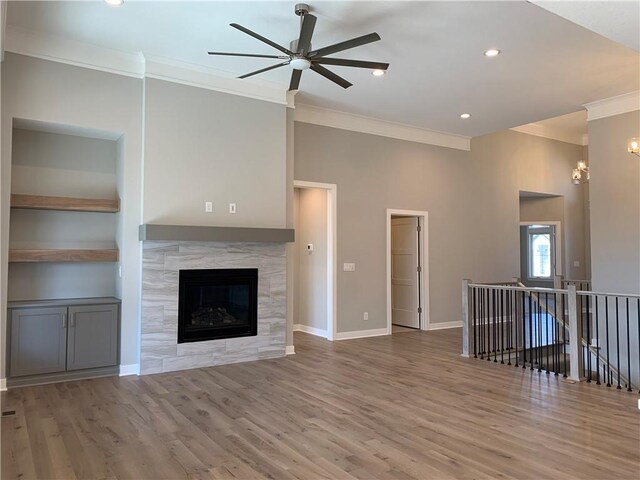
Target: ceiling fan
300,56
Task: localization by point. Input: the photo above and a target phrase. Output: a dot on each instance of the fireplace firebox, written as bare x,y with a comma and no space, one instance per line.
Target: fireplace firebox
217,303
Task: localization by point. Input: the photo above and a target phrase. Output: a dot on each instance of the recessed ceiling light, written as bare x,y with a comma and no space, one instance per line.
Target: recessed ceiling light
493,52
465,115
114,3
378,73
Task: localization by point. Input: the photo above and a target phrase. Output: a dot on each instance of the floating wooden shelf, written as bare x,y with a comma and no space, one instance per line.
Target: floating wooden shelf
40,202
63,255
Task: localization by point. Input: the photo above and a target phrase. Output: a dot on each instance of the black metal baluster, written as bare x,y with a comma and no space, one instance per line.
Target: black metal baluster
564,338
488,324
474,313
628,350
502,327
515,319
554,334
524,330
546,328
495,327
618,341
606,317
531,330
589,368
509,326
539,333
597,342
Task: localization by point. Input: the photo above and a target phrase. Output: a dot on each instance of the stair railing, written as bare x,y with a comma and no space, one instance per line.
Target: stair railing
597,334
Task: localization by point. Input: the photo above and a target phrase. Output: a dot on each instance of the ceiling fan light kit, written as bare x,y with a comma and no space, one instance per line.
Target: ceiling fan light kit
300,56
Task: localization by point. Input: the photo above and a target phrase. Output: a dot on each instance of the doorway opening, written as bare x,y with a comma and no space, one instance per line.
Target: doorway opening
407,271
314,266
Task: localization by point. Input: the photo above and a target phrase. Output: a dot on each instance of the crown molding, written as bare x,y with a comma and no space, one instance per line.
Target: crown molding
552,134
203,77
373,126
608,107
62,50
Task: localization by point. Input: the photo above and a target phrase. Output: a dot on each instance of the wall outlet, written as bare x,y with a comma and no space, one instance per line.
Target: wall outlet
576,263
366,315
208,207
232,208
349,267
309,247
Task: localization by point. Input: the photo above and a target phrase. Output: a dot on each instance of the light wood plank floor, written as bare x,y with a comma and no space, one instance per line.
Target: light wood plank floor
397,407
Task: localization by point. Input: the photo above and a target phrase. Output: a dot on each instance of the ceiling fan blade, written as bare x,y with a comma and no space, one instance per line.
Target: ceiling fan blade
295,80
352,63
346,45
253,55
278,65
262,39
330,75
306,32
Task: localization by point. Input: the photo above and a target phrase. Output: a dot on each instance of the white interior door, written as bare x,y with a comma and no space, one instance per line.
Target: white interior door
405,286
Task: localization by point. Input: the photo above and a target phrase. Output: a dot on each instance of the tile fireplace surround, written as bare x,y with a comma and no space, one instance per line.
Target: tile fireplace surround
161,262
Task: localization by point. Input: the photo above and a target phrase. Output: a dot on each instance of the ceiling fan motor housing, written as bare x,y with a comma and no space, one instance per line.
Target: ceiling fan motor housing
301,9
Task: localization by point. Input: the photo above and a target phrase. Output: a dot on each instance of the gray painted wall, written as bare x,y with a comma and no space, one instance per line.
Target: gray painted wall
615,204
505,164
472,199
375,173
51,92
310,289
203,146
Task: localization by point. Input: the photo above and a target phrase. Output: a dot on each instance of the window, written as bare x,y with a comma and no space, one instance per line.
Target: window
540,251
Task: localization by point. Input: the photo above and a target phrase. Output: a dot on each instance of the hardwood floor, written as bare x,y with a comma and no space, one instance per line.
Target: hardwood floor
396,407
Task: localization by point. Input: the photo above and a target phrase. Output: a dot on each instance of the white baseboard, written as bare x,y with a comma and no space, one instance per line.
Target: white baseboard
3,384
444,325
298,327
375,332
131,369
290,350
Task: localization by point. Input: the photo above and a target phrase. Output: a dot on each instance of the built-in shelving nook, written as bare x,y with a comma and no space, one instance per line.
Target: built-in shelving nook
65,213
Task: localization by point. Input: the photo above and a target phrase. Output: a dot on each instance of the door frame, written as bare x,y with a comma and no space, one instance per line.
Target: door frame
423,246
332,247
558,228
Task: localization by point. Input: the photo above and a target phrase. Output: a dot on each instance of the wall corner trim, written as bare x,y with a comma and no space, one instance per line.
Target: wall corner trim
608,107
373,126
3,384
375,332
131,369
290,350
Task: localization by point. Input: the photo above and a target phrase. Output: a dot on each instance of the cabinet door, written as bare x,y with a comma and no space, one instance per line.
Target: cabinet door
38,340
93,336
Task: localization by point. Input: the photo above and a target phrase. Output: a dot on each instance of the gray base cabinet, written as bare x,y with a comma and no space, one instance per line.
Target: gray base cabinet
49,337
38,341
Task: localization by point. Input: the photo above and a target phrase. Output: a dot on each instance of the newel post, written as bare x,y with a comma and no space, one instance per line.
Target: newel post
575,335
557,282
467,326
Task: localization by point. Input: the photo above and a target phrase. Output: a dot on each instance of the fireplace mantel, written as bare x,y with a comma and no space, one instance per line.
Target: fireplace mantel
191,233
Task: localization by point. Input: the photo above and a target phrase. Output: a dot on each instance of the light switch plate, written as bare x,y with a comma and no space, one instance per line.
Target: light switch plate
208,207
576,263
232,208
349,267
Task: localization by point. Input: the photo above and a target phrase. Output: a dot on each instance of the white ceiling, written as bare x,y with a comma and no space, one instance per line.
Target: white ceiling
549,65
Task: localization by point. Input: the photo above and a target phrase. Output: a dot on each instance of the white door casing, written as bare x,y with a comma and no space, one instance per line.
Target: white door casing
405,285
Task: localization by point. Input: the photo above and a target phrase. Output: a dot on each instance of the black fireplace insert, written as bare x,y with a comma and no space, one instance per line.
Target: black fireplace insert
217,303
